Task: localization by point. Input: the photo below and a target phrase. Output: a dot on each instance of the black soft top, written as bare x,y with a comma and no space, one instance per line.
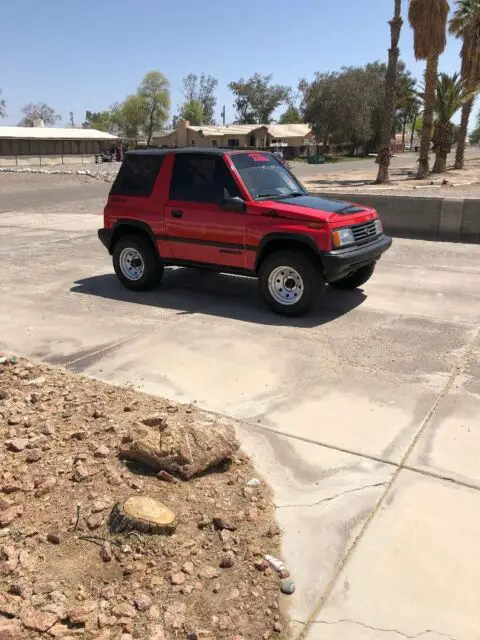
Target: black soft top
201,150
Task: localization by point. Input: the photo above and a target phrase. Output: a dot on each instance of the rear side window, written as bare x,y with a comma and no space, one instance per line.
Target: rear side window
137,175
202,178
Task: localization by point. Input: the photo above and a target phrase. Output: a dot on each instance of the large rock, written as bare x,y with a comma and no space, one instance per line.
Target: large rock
185,449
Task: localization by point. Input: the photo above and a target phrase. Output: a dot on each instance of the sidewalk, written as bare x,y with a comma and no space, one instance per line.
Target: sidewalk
364,417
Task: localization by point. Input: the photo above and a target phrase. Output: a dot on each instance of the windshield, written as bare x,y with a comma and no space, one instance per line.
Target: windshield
265,177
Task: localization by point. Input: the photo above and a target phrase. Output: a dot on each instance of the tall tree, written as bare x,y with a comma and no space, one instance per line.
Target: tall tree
257,98
103,121
290,116
155,94
465,24
192,110
132,116
428,19
202,89
3,107
40,111
347,107
383,157
451,95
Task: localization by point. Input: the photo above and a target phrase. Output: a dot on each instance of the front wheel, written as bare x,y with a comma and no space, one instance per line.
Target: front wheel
355,279
291,283
136,264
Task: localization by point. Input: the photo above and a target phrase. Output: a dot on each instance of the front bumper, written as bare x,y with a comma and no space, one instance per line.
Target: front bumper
340,263
105,236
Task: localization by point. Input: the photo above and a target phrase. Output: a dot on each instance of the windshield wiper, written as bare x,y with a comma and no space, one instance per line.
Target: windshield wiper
277,196
266,195
294,194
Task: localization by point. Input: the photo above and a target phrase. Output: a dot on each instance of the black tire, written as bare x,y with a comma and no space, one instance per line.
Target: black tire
355,279
152,267
311,278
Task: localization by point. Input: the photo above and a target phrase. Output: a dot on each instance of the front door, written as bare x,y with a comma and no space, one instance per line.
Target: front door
199,230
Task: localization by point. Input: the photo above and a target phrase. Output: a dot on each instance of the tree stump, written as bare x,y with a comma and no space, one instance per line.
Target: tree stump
144,514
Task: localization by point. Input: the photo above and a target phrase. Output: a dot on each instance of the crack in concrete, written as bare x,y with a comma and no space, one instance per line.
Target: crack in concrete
367,626
334,497
454,373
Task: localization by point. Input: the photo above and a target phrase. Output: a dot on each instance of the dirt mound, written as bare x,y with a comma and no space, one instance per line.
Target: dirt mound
64,574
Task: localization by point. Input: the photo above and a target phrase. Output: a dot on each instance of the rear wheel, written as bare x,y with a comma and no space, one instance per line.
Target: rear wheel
355,279
291,283
136,264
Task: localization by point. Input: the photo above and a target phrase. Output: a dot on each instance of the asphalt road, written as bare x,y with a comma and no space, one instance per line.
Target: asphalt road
364,417
44,198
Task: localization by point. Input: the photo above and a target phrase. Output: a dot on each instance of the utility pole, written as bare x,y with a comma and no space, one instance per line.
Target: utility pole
223,115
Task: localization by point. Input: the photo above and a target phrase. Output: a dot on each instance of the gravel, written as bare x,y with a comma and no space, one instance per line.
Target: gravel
104,171
63,572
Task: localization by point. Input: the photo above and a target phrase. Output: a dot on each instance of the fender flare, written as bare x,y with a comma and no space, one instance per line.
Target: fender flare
295,237
136,224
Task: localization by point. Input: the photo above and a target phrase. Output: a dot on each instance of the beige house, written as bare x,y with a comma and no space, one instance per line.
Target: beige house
292,139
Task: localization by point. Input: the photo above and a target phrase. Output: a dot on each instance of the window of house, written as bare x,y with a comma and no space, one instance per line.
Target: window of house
214,143
5,147
137,175
202,178
233,142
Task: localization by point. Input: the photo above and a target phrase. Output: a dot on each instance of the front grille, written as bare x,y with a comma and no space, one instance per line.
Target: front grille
365,232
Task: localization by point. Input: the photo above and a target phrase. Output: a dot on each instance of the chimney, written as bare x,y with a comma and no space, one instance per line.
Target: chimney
182,132
38,123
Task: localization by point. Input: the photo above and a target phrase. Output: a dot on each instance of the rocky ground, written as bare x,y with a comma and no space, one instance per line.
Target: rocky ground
63,574
12,178
453,183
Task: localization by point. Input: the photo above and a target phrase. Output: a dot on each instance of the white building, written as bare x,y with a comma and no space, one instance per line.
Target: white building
40,145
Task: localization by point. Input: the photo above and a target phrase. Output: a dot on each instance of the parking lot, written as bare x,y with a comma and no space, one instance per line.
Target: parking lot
364,417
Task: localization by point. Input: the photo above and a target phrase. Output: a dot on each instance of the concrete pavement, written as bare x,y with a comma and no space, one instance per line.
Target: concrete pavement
364,417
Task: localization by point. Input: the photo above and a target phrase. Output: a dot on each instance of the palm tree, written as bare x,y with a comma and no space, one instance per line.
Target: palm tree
451,95
428,19
465,24
383,158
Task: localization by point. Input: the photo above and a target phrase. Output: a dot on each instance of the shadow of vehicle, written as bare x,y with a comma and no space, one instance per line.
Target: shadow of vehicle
216,294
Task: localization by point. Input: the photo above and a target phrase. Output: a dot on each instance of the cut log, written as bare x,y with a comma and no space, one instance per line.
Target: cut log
144,514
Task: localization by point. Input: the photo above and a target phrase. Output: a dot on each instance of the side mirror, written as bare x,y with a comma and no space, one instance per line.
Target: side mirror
234,204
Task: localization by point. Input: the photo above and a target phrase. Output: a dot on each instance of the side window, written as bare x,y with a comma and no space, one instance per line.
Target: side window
201,178
137,175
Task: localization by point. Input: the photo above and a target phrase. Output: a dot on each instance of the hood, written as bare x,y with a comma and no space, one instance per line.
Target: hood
308,207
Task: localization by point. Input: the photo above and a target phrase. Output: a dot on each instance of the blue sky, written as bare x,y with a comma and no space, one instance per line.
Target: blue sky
85,55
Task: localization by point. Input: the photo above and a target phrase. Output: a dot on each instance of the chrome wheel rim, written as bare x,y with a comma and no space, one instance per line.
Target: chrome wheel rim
131,264
285,285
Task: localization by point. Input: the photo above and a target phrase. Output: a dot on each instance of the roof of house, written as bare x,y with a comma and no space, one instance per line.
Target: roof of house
289,130
210,131
54,133
162,133
275,130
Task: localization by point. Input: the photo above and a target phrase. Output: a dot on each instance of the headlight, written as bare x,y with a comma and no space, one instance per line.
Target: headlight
342,237
378,226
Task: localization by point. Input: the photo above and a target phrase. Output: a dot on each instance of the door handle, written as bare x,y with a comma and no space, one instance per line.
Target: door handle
177,214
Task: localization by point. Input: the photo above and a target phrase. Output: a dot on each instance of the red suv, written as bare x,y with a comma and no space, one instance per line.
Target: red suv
238,212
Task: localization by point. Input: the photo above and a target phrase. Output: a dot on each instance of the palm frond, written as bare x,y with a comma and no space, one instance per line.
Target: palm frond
428,19
451,95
